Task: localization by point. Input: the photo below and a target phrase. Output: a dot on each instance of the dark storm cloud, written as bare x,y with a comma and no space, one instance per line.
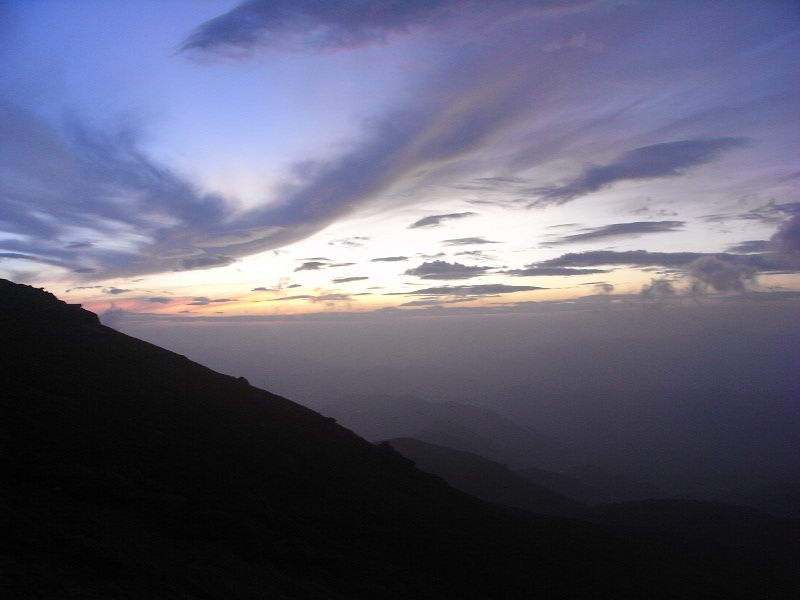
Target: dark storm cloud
468,241
390,259
668,159
537,271
439,269
348,279
491,289
616,230
436,220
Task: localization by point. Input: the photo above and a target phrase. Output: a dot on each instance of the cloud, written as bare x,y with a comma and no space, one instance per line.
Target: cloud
787,238
348,279
390,259
437,301
668,159
353,242
292,26
203,301
750,246
616,230
160,300
439,269
720,275
658,288
536,271
204,262
468,241
637,258
113,316
771,213
491,289
312,265
115,290
436,220
331,298
298,297
604,288
322,298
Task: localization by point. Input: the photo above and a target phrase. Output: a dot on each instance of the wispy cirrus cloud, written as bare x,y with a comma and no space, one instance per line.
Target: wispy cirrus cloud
390,259
436,220
291,26
617,230
468,241
666,159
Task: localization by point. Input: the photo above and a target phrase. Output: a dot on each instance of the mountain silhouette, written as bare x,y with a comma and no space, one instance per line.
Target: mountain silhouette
450,424
483,478
129,471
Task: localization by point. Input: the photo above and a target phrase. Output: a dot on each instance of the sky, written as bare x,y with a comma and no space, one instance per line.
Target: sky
573,212
217,159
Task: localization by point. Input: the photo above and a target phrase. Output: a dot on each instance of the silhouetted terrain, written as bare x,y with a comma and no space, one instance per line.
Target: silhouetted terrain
452,424
484,479
128,471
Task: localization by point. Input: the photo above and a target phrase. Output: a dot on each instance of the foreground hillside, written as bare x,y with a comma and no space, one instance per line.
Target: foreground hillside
128,471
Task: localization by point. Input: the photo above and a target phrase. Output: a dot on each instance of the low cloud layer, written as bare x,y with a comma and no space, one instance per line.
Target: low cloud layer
491,289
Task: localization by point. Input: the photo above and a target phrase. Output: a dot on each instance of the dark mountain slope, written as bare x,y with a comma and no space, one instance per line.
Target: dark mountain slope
737,527
483,478
128,471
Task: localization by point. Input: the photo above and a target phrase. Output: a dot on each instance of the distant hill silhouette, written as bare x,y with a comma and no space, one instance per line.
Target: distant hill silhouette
451,424
129,471
483,478
590,484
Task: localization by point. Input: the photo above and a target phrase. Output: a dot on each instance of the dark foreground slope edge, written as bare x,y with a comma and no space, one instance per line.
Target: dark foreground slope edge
129,471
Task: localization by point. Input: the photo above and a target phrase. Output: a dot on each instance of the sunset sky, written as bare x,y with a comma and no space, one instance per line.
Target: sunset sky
232,159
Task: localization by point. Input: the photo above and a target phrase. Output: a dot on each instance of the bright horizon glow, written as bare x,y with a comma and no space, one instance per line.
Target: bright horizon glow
226,161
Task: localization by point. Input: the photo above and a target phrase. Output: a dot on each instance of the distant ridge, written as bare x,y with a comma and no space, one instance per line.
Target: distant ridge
484,479
129,471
